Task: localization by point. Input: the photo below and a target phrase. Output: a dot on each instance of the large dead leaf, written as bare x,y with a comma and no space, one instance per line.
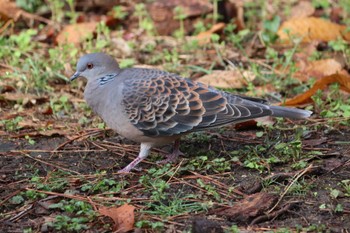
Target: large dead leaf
76,33
310,29
227,78
317,69
123,217
321,84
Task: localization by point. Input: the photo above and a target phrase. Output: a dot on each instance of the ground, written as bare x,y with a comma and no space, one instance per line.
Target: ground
317,201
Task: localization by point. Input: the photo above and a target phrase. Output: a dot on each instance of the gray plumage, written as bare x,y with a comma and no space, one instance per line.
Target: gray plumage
155,107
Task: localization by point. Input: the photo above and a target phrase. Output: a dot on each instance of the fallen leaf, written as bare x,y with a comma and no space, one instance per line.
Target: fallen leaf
162,14
317,69
302,9
76,33
123,217
321,84
9,10
204,37
310,29
227,78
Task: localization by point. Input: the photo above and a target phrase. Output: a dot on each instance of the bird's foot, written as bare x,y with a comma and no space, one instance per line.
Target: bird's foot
172,157
130,166
127,170
144,150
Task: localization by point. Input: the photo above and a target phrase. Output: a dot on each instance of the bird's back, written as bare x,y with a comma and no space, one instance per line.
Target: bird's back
164,104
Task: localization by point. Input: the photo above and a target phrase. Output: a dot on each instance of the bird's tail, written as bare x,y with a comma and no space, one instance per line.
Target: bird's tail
292,113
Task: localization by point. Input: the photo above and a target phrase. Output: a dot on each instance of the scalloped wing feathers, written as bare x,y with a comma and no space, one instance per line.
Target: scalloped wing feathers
163,104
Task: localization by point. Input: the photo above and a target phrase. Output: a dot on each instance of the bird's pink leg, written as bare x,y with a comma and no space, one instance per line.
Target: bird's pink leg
173,156
144,151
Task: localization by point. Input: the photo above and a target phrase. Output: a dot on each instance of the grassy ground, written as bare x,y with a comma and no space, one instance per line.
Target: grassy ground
59,161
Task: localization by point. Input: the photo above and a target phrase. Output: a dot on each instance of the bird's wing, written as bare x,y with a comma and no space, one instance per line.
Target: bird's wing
167,104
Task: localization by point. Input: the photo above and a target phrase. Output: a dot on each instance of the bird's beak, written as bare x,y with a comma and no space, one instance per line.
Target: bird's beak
74,76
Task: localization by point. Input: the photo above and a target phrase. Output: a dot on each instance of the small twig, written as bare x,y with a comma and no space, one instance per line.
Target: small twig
36,17
78,137
297,176
5,26
273,215
85,199
20,214
177,168
52,151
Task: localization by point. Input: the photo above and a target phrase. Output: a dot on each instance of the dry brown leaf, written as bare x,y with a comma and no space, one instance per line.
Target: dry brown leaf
76,33
122,216
162,13
302,9
9,10
317,69
310,29
227,78
204,37
321,84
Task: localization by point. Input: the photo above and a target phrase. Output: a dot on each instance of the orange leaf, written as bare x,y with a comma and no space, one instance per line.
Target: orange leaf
310,29
76,33
9,10
123,217
321,84
227,78
204,37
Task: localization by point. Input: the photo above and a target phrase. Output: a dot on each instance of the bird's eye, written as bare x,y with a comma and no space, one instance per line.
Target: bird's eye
89,66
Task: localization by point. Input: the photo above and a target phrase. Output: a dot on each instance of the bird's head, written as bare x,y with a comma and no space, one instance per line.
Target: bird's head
94,65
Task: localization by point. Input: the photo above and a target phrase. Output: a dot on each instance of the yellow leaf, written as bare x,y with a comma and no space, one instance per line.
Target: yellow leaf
310,29
76,33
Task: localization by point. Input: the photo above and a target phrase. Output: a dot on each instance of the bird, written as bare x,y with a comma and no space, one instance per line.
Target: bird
154,107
